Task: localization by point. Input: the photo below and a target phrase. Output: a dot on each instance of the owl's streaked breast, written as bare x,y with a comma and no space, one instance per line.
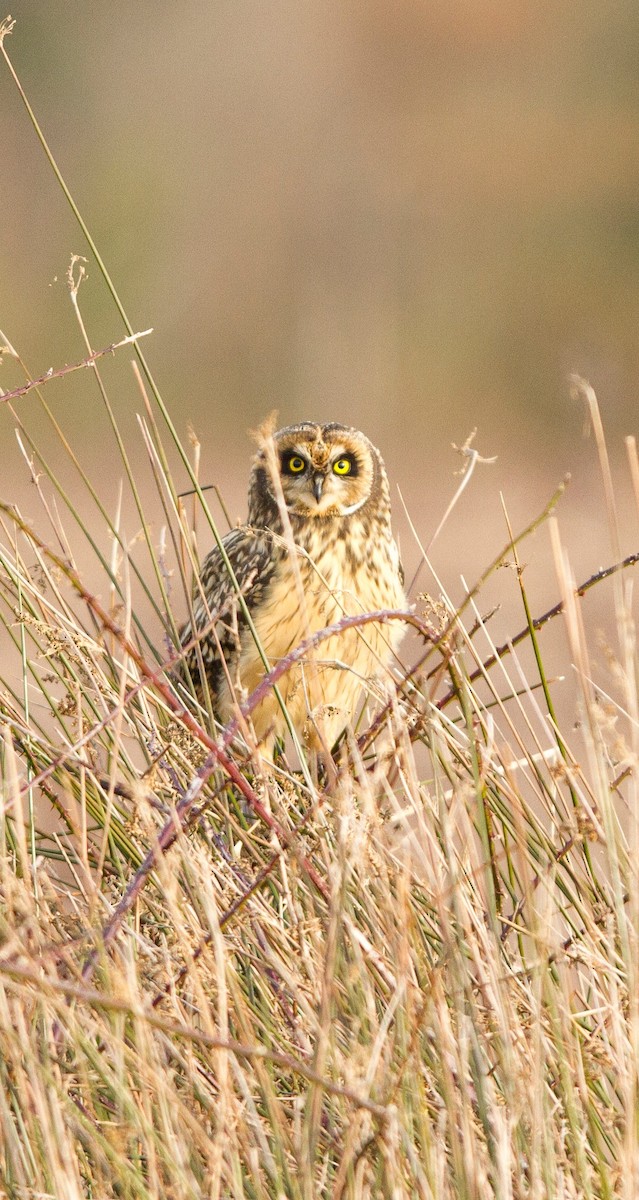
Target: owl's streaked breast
333,576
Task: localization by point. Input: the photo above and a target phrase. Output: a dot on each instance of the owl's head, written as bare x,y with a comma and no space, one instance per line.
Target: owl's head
324,471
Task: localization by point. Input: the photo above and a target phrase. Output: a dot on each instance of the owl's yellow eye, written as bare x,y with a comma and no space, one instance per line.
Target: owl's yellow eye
296,464
343,466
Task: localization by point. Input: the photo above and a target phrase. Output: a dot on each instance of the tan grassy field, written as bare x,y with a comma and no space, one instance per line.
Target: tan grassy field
411,971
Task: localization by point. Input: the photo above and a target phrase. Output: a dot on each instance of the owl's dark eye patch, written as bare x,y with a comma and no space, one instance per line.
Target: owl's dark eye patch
346,464
293,464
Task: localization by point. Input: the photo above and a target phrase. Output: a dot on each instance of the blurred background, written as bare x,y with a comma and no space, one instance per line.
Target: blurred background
414,216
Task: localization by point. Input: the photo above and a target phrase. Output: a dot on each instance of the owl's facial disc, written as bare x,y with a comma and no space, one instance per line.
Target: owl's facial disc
325,480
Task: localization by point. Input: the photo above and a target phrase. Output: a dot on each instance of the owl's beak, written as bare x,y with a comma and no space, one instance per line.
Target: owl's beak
318,486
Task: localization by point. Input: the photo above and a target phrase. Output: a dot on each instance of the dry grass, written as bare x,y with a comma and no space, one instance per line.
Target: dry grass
411,974
413,977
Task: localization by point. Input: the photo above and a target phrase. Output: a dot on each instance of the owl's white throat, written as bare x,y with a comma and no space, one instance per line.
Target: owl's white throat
353,508
326,508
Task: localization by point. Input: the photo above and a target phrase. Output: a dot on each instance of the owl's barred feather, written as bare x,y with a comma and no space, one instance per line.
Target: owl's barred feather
317,546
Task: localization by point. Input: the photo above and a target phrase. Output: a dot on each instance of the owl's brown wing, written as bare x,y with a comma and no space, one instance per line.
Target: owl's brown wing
218,617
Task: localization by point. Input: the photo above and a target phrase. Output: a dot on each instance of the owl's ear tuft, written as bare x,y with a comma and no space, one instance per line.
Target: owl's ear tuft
264,432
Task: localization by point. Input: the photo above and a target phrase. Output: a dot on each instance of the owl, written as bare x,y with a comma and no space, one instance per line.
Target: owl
317,546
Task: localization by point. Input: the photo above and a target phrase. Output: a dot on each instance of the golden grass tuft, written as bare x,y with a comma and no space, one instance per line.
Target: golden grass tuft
414,975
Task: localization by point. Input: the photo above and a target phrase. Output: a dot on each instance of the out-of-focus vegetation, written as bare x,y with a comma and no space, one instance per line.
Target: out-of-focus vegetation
414,217
389,213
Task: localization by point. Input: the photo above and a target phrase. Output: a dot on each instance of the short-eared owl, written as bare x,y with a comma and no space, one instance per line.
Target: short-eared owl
317,546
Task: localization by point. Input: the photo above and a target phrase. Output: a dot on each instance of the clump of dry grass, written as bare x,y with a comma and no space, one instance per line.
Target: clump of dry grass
412,974
415,976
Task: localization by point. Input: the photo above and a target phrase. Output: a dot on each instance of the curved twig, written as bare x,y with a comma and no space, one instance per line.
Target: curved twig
58,372
501,651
